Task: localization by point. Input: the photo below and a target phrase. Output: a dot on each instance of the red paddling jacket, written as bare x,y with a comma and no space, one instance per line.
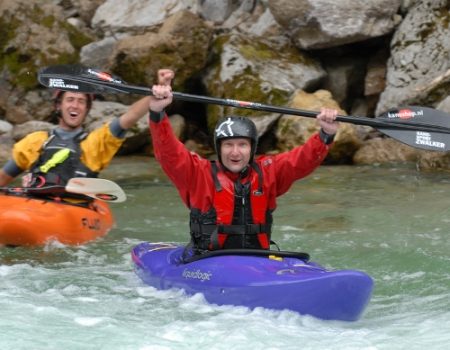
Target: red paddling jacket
231,210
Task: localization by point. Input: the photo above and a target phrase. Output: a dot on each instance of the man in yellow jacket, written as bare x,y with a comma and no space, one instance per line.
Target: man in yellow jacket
67,151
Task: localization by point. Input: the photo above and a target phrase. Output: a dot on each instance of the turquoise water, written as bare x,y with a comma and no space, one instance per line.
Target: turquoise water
392,223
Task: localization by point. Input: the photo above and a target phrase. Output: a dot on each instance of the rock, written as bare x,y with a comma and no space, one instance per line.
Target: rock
33,33
103,112
98,53
294,130
21,130
136,16
5,129
216,10
6,140
181,43
257,70
433,160
422,37
314,24
384,150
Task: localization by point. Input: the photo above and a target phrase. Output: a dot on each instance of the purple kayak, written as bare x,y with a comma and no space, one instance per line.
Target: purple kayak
257,278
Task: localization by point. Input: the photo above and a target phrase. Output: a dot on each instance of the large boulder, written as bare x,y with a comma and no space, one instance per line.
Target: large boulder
136,16
294,130
384,150
254,69
318,24
181,44
419,66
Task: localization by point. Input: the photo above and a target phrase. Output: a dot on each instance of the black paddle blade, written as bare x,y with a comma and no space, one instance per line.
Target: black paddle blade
431,127
89,80
78,78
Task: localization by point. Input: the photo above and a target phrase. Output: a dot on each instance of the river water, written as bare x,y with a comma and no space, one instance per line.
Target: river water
391,222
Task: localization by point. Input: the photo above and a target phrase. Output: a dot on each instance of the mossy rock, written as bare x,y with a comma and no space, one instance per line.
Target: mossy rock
249,81
182,44
33,36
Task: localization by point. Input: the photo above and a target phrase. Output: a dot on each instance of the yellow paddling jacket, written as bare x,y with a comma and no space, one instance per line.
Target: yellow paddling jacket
96,150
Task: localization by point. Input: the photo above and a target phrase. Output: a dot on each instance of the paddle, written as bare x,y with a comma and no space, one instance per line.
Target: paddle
101,189
419,127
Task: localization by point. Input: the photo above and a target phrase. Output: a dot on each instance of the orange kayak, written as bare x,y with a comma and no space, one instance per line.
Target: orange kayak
28,220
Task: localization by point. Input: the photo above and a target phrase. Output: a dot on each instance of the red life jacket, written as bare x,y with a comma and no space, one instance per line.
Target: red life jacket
240,217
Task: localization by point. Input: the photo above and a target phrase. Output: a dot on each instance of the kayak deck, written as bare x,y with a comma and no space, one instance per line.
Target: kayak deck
271,281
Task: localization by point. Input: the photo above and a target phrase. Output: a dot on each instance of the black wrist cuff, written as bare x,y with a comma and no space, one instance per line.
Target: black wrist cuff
326,138
156,116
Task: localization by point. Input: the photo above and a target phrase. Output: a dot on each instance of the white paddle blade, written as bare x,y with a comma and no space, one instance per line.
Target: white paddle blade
101,189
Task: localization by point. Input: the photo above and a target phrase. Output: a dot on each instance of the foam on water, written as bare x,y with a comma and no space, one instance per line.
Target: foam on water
106,306
88,297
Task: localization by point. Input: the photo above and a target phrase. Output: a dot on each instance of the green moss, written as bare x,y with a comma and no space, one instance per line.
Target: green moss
22,64
252,52
444,15
48,21
246,87
261,51
142,70
8,27
441,19
427,30
285,126
219,43
77,38
186,57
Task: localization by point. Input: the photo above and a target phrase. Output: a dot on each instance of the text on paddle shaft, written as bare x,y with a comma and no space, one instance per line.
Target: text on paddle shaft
197,274
104,76
424,138
60,84
405,114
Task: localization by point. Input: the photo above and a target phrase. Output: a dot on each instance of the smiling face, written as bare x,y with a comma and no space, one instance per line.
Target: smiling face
74,108
235,153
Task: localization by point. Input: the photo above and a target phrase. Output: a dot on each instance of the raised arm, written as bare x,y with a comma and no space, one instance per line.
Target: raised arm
140,108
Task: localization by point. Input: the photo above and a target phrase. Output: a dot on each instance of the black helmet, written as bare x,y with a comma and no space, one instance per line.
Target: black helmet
235,127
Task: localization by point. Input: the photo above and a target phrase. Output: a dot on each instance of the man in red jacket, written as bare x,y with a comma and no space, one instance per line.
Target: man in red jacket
231,200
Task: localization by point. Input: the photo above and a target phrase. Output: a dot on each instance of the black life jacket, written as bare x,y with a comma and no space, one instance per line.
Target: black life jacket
59,161
239,218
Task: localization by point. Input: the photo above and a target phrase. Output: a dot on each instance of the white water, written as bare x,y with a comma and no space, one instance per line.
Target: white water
391,223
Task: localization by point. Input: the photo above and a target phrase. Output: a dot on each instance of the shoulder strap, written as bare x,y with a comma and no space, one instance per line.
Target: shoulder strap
50,137
214,170
258,170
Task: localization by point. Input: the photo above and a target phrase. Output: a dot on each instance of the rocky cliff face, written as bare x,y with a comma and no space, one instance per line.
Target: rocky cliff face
362,57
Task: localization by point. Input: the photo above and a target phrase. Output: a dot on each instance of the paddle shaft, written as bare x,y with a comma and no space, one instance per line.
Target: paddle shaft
47,190
51,191
96,85
101,189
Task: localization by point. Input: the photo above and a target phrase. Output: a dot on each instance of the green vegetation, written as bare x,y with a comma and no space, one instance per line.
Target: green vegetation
248,85
23,62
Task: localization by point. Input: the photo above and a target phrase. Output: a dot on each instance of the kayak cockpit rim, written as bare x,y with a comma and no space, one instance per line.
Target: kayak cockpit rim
248,252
